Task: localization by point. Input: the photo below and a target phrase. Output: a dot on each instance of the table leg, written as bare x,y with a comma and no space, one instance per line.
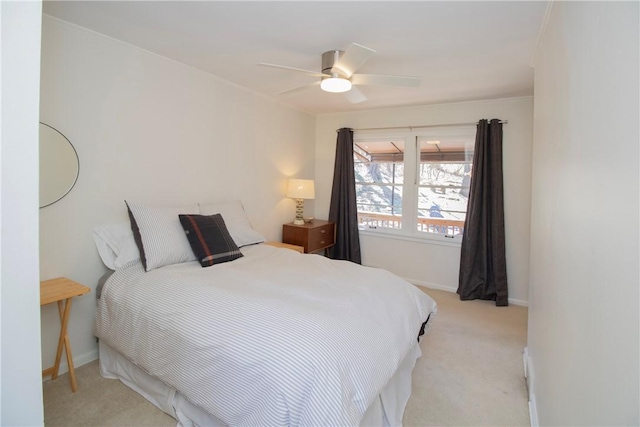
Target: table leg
72,372
63,341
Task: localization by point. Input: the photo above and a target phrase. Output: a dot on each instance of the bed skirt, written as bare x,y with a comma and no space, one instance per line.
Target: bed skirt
386,410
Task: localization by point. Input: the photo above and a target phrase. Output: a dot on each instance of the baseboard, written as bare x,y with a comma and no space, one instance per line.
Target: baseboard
533,412
529,375
518,302
454,290
78,361
431,285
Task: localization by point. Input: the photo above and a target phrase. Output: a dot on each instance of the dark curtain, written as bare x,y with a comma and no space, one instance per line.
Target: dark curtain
343,209
483,267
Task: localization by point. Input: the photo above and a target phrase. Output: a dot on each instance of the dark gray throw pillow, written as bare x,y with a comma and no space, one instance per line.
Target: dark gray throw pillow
209,239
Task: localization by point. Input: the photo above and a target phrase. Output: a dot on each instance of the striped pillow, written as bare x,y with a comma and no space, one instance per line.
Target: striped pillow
209,238
159,235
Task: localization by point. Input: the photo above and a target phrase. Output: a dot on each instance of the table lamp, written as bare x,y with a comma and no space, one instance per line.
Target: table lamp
300,189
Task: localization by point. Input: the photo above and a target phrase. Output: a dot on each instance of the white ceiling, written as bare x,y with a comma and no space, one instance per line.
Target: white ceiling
463,50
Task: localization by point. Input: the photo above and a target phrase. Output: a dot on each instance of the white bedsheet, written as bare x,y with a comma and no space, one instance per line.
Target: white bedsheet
273,338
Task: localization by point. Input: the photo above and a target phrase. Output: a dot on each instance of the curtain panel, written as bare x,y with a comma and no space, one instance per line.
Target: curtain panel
483,267
343,209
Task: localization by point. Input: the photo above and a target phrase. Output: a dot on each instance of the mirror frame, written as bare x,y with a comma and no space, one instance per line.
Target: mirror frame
77,162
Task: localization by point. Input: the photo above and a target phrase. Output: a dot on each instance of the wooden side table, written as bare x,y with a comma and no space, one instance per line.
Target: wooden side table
314,236
59,290
286,246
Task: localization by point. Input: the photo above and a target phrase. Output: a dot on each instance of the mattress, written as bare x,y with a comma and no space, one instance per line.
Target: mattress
273,338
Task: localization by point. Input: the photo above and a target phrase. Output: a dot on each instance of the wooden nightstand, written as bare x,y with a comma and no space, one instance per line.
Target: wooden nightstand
57,290
286,246
314,236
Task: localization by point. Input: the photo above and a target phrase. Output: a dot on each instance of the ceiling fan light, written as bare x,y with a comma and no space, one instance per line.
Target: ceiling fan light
335,85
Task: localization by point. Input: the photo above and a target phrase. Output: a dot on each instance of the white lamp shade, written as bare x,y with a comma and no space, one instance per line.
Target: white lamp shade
301,189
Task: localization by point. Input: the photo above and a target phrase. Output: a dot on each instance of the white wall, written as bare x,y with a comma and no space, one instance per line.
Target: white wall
583,307
20,368
152,130
427,263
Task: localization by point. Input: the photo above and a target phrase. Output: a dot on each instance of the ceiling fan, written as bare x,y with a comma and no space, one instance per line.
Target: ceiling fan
339,75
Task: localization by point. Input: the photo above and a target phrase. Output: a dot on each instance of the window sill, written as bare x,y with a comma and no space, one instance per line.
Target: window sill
439,240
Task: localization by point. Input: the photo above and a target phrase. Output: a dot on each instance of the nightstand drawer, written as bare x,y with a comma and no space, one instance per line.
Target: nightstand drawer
321,237
313,236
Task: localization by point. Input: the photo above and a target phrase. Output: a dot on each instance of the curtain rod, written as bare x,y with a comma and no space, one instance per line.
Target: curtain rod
504,122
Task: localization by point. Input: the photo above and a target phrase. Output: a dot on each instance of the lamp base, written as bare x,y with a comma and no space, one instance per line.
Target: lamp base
299,210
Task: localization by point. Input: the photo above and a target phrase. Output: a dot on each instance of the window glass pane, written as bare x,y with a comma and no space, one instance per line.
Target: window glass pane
379,206
438,174
385,199
441,210
382,173
379,173
444,174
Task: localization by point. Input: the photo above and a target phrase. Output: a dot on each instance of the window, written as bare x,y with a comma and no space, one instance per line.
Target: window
379,172
414,184
444,173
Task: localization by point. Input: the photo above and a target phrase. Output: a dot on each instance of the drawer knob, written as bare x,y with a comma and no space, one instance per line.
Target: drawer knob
323,231
322,242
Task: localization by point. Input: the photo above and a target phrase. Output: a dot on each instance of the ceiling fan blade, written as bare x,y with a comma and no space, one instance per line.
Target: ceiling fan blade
300,70
298,88
354,95
378,80
353,58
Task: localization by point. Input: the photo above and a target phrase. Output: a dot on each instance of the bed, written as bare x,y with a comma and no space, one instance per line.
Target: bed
272,337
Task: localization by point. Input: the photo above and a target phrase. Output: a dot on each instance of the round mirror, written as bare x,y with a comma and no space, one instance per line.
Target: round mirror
59,165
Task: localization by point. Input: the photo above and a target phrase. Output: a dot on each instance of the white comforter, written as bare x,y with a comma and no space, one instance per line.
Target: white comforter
273,338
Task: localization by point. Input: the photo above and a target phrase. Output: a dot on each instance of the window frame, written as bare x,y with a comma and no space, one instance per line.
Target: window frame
410,186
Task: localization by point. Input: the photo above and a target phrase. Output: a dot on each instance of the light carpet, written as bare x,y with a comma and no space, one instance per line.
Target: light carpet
470,374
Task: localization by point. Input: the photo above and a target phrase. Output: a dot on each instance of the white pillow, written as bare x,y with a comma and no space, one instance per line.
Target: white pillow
236,221
159,234
116,244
